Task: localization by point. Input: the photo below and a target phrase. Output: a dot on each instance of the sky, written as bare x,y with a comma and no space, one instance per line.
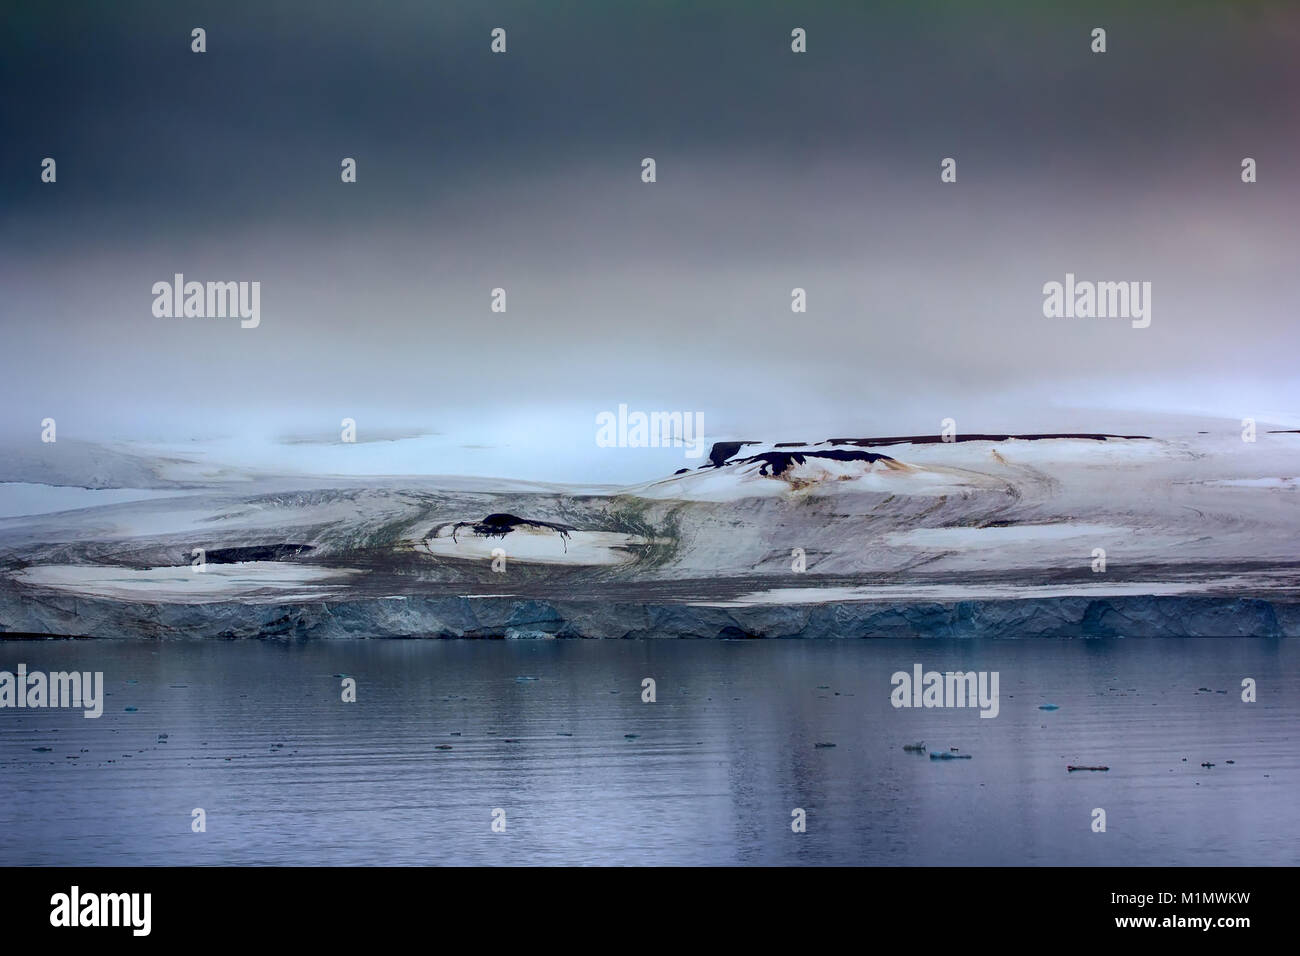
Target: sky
522,171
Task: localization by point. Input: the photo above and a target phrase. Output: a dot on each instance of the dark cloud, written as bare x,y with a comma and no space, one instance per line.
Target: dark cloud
522,171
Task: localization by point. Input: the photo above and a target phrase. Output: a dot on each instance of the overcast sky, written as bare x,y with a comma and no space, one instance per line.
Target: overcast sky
522,171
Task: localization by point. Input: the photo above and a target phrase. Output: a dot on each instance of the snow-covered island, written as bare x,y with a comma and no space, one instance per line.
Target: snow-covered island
1009,535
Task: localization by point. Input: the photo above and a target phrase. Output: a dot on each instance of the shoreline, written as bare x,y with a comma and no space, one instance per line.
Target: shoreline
511,617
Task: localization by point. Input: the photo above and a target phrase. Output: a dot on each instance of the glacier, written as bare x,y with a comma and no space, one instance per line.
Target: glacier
1062,535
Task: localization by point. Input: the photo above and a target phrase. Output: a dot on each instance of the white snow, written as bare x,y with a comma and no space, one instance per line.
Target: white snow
986,592
1163,510
185,585
946,539
20,498
1289,484
813,476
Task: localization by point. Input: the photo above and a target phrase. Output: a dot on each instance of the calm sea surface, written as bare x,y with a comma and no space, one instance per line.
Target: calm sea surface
585,772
